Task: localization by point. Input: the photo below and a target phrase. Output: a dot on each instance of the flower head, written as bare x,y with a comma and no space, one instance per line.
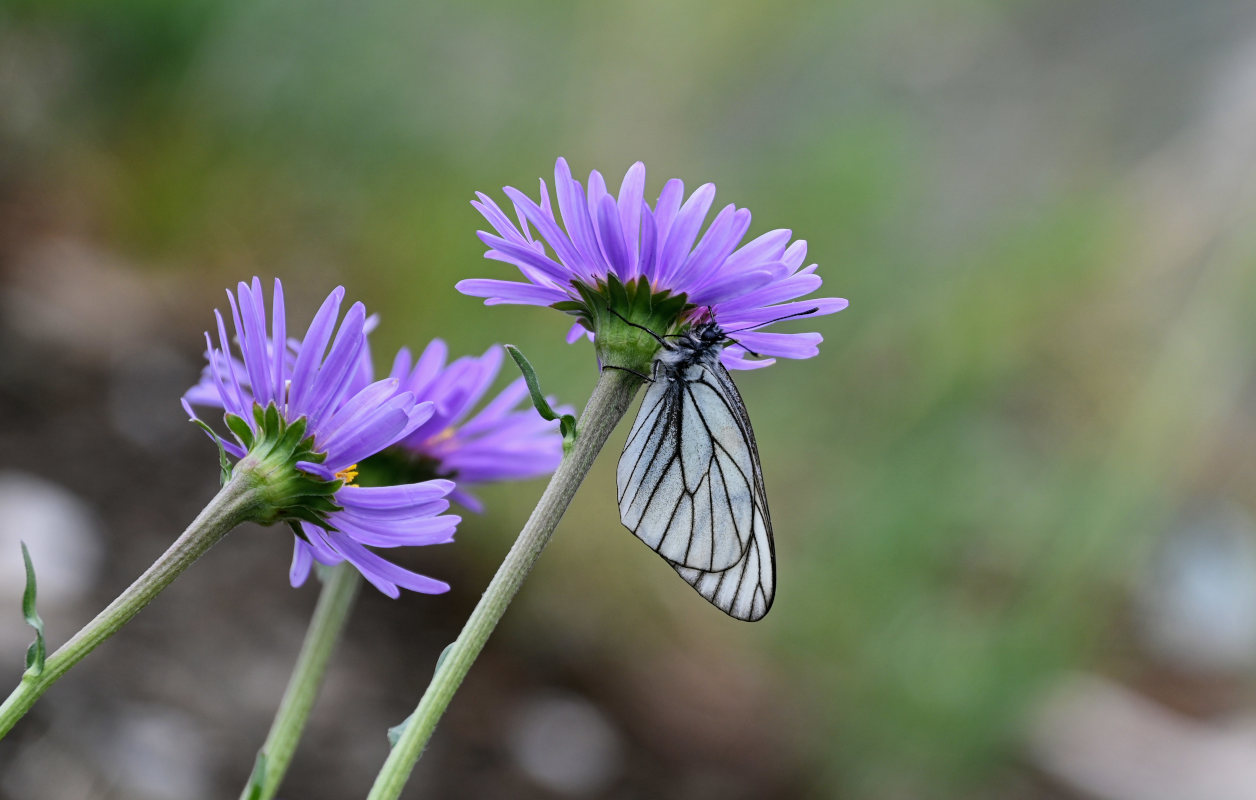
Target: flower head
302,423
614,258
499,442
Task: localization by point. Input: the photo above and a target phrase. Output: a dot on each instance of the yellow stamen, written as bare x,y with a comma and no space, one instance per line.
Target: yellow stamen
348,475
448,433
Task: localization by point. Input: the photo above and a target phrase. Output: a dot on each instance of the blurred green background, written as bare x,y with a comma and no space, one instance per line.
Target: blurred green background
1040,211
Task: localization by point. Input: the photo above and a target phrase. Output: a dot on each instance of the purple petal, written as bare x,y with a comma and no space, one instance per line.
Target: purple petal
312,347
242,401
647,259
362,404
251,337
501,405
401,364
278,338
572,204
785,345
510,292
684,232
762,316
495,217
385,575
323,551
372,433
411,533
546,227
335,376
768,247
795,254
631,198
735,360
597,190
468,501
776,292
665,209
430,363
302,560
611,235
732,286
720,239
522,254
393,496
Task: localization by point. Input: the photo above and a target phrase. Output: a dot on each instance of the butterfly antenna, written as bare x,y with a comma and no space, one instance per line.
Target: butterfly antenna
778,319
743,347
658,338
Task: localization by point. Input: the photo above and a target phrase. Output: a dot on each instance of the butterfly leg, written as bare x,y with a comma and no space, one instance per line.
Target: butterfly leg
640,375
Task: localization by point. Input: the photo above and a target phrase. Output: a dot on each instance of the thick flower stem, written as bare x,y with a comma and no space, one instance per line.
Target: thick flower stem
237,501
340,589
611,397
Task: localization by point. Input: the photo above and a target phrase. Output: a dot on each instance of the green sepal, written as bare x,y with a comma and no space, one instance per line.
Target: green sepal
275,447
240,427
38,651
257,780
396,731
608,308
566,422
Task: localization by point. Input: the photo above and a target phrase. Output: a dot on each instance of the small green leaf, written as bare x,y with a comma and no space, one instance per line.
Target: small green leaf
395,732
534,386
567,422
36,653
440,659
257,780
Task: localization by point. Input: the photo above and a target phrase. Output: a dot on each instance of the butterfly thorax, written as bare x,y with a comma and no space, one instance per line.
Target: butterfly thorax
702,343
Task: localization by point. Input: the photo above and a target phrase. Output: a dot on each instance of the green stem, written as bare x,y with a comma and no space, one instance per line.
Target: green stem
611,397
340,589
235,502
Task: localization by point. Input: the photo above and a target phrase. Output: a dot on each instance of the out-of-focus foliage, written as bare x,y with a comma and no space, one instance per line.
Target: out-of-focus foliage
1040,212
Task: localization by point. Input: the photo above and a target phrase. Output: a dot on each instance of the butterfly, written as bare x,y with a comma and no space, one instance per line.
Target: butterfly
689,481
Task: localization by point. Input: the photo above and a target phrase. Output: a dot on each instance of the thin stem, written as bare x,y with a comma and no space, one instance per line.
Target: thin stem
611,397
236,501
340,589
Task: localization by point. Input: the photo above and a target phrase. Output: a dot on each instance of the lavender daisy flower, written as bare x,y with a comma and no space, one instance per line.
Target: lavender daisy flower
502,441
302,423
649,265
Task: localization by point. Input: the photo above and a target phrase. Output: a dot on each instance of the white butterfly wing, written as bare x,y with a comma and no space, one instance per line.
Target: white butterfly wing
691,488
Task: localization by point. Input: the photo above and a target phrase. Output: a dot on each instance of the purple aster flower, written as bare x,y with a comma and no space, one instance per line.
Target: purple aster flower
502,441
650,265
302,423
505,440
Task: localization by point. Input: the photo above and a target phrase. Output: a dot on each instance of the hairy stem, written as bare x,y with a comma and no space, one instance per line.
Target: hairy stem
237,501
335,602
611,397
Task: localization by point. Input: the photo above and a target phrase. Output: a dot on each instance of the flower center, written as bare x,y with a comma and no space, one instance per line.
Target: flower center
348,475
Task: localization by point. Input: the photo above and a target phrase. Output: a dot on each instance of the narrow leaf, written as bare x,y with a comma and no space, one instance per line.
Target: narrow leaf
36,653
566,423
534,386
